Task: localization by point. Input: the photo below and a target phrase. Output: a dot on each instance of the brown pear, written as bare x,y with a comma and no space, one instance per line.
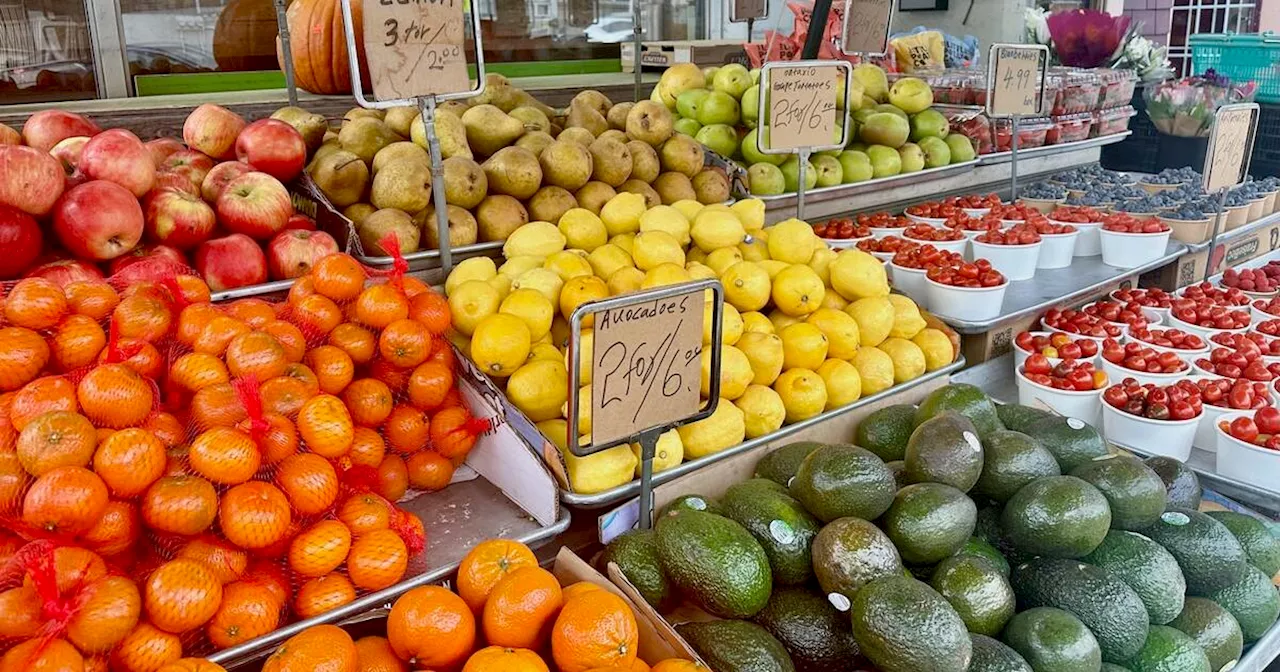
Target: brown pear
489,129
399,151
596,100
310,125
682,154
356,212
711,186
532,118
617,116
651,197
462,228
378,225
399,118
535,142
593,195
583,115
359,112
650,122
673,186
342,176
577,134
465,184
615,134
644,161
365,136
403,185
326,147
513,171
566,164
498,215
550,204
611,161
454,107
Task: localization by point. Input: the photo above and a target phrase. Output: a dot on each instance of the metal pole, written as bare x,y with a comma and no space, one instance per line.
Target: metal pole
648,447
1013,160
427,107
1217,225
813,41
635,38
286,50
751,24
800,183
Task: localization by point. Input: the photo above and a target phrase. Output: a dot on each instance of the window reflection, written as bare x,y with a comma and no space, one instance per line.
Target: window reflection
45,51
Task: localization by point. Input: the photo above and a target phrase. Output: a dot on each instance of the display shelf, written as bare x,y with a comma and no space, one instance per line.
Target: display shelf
1006,157
824,194
1228,236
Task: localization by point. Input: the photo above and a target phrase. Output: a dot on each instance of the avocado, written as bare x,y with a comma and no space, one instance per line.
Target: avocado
1109,667
1261,547
691,503
1213,628
736,646
1147,568
849,553
814,633
715,562
636,555
992,655
1108,607
1182,486
899,470
885,431
1134,492
1252,600
1019,418
1169,650
1207,552
781,525
843,480
1057,516
1072,441
780,465
944,449
967,400
929,522
977,590
990,530
1053,640
903,625
979,548
1011,460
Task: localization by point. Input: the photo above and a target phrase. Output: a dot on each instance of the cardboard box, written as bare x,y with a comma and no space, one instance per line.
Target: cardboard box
662,55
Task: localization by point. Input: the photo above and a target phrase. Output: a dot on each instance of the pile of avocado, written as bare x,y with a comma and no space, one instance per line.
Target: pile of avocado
957,536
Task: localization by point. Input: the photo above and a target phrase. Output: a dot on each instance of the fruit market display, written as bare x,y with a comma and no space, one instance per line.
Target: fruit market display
1257,280
841,229
957,535
805,329
1134,356
1168,338
1067,374
1261,428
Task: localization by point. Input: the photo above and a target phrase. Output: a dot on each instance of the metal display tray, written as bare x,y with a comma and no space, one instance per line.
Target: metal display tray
1006,157
823,194
427,259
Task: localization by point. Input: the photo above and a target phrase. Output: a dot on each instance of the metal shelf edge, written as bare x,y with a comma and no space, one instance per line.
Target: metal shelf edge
1046,150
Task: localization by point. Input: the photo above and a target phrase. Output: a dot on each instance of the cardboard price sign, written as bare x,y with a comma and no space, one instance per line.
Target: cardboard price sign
866,26
743,10
1230,146
415,48
1015,82
802,108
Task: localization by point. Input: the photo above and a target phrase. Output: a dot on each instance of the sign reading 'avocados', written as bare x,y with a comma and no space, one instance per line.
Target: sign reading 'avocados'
415,47
802,106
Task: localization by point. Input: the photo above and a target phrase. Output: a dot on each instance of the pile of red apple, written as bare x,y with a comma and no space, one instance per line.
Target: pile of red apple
1076,322
929,233
1137,357
1263,429
76,200
1175,339
1056,345
1067,375
1231,296
1180,401
1126,223
1250,280
841,229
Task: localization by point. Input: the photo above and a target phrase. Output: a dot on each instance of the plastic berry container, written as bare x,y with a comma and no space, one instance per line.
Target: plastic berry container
1112,121
1117,87
1070,128
972,123
1031,133
1079,92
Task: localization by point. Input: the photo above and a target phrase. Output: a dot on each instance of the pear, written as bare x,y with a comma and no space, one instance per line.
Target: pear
535,142
612,161
650,122
310,125
327,147
617,116
676,80
364,136
566,164
583,115
403,185
513,171
615,134
462,228
465,183
673,186
498,215
454,107
593,195
682,154
400,117
361,112
644,161
378,225
399,151
342,176
356,212
489,129
577,134
550,203
596,100
449,130
495,87
523,98
651,197
330,136
711,186
533,118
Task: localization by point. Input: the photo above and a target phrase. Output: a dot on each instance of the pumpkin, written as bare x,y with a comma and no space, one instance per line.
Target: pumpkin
245,36
319,46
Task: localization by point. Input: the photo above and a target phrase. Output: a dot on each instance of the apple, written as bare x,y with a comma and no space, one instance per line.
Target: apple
32,179
218,179
189,163
21,240
148,263
63,272
98,220
46,128
8,136
118,156
233,261
292,253
273,147
212,129
173,181
254,204
300,222
163,148
178,218
68,151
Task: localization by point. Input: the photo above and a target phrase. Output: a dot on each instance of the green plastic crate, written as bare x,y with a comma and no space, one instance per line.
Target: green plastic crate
1242,58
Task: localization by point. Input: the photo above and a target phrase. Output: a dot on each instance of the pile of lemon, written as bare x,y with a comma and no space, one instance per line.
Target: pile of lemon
805,329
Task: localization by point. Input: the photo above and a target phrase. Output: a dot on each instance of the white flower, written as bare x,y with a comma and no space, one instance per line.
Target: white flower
1037,25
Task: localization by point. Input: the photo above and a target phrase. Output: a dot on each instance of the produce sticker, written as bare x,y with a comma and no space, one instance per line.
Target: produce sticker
415,48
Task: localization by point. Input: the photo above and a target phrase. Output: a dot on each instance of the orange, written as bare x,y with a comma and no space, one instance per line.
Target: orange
377,560
429,471
257,354
498,659
575,589
488,563
320,549
181,595
333,368
136,354
309,481
596,629
449,435
286,394
428,385
322,594
66,500
374,654
254,515
246,612
192,321
93,299
37,655
115,396
56,439
369,401
35,303
405,343
302,287
338,276
365,513
20,613
289,337
316,315
217,406
395,377
269,576
13,482
146,649
192,288
359,343
129,461
324,423
76,342
406,429
393,477
367,448
224,455
278,441
74,568
217,334
521,608
430,627
227,562
195,371
432,310
380,305
23,353
191,665
142,316
50,393
253,312
182,504
320,648
115,532
165,426
108,610
413,286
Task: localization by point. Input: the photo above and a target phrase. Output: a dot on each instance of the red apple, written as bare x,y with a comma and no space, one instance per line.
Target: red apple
63,272
230,262
30,179
292,253
300,222
98,220
178,218
218,179
8,136
212,129
254,204
46,128
148,263
21,240
118,156
273,147
173,181
68,151
162,148
189,163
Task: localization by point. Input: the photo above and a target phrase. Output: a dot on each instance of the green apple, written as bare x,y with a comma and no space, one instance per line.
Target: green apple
732,79
885,161
929,124
911,94
912,157
687,103
687,126
751,106
936,152
718,108
720,138
856,166
886,129
766,179
830,172
753,155
961,148
791,171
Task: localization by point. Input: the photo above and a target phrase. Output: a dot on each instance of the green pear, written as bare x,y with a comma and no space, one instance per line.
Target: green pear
936,152
513,171
450,130
766,179
829,171
912,157
535,142
364,136
308,124
489,129
376,227
400,117
341,175
645,165
682,154
617,116
885,161
791,172
753,155
855,166
465,183
961,148
687,126
403,185
687,103
399,151
649,122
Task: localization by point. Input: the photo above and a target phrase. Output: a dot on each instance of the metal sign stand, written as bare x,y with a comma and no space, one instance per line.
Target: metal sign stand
750,19
1212,180
1016,117
286,50
635,39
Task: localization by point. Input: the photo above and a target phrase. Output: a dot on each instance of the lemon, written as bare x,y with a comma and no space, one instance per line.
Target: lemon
538,239
773,267
781,320
546,350
735,372
840,329
695,256
832,299
668,452
713,229
476,268
875,369
650,249
699,271
567,265
501,283
621,214
874,316
730,324
584,410
500,344
762,410
548,282
856,274
460,341
516,266
582,229
688,207
602,471
766,354
539,388
755,249
607,259
725,428
471,302
844,385
804,346
559,332
820,262
664,274
667,219
580,290
756,322
533,308
908,359
803,394
624,241
791,241
746,286
937,348
557,431
721,259
798,291
761,235
586,346
906,317
625,280
750,212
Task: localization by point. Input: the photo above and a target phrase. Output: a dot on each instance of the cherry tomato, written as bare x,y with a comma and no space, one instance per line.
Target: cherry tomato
1243,428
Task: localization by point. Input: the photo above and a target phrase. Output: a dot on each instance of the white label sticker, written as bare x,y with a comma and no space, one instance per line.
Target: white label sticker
790,481
697,503
1108,456
1075,423
839,601
1175,518
1229,666
781,532
974,443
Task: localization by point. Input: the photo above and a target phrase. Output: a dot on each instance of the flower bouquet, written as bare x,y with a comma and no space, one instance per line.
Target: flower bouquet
1186,107
1089,38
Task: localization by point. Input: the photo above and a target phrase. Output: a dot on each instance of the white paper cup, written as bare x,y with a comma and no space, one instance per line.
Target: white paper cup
912,282
965,303
1171,438
1080,405
1130,250
1089,243
1016,262
931,221
842,243
1057,249
1206,429
884,232
1246,462
1257,315
1206,333
1116,373
976,213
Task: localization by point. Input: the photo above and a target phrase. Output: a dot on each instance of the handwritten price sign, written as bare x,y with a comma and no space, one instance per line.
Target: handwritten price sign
802,107
415,47
866,26
1230,145
1015,82
742,10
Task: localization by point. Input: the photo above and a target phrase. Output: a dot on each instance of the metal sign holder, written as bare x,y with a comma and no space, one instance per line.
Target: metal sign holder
636,32
427,108
844,30
804,152
1220,216
749,20
1014,118
286,51
647,437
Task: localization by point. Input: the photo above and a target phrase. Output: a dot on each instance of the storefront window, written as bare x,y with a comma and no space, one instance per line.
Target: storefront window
184,36
45,51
